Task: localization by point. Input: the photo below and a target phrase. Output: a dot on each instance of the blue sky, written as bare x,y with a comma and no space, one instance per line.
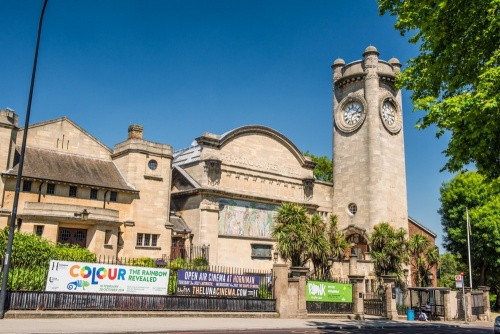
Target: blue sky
182,68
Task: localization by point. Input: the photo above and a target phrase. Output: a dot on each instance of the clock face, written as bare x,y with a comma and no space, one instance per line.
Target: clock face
352,113
388,113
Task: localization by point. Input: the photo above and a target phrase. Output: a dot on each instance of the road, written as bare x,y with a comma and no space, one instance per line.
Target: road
406,330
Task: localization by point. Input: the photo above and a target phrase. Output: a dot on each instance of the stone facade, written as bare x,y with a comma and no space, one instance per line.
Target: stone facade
369,165
140,198
75,189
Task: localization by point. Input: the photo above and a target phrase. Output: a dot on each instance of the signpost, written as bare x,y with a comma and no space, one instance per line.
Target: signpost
328,292
459,283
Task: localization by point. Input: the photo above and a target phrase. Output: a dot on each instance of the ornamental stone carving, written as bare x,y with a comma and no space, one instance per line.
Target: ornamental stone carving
213,170
308,185
209,202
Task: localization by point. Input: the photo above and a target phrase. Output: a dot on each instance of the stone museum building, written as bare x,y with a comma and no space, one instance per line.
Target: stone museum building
143,199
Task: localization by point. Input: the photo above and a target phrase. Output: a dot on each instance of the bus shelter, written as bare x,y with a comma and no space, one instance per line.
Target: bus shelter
435,296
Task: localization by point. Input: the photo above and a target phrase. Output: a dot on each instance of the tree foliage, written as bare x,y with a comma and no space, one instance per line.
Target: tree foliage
455,77
389,250
324,167
30,259
290,232
473,192
449,266
423,257
301,237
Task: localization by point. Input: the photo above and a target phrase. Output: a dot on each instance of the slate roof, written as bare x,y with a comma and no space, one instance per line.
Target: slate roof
179,225
70,168
187,155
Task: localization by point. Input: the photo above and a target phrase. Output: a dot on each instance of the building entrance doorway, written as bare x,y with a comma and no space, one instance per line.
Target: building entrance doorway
178,249
73,236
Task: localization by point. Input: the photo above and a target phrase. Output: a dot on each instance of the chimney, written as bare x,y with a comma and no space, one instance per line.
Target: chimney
135,131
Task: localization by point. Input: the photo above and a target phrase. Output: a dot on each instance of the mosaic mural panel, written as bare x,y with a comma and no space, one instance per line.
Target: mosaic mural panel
246,219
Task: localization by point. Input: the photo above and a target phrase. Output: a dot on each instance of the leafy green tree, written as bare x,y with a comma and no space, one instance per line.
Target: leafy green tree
471,190
389,250
455,77
324,167
290,232
449,266
423,257
31,257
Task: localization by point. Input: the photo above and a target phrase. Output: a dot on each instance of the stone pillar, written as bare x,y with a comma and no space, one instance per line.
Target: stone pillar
447,305
486,301
357,282
468,301
280,288
299,278
353,264
391,309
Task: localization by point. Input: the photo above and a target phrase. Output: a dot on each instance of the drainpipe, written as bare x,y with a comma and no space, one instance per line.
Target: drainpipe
40,191
104,202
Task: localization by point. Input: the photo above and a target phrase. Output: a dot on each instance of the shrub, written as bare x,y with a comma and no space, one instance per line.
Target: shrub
30,259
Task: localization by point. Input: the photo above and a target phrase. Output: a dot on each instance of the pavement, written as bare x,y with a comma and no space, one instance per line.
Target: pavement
151,322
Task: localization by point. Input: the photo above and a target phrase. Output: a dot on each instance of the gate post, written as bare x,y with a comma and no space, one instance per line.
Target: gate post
390,299
280,286
468,302
357,296
486,302
447,305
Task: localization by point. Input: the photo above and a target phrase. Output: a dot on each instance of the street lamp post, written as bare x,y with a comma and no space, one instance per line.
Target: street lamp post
8,250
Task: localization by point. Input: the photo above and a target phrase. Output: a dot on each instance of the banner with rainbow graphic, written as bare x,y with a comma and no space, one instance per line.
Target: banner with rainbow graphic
66,276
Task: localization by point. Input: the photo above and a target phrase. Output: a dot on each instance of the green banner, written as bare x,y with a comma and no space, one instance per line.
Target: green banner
328,292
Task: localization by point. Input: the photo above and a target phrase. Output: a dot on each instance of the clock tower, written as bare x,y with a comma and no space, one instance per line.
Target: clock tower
368,149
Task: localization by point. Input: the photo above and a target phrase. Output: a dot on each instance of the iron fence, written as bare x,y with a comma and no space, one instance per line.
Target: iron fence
37,300
27,284
374,304
331,308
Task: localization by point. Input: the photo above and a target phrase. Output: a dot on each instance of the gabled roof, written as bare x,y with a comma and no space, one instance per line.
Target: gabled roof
422,227
70,168
178,224
185,178
66,119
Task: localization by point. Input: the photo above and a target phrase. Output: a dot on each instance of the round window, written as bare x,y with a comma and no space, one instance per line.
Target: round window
353,208
152,164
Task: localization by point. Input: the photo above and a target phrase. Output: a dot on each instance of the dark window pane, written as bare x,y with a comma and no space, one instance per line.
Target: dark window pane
26,185
51,188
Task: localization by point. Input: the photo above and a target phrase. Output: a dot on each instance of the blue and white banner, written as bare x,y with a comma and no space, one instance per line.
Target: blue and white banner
205,283
65,276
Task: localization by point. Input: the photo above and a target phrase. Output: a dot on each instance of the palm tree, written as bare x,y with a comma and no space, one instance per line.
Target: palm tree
338,244
389,250
318,245
423,257
290,232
